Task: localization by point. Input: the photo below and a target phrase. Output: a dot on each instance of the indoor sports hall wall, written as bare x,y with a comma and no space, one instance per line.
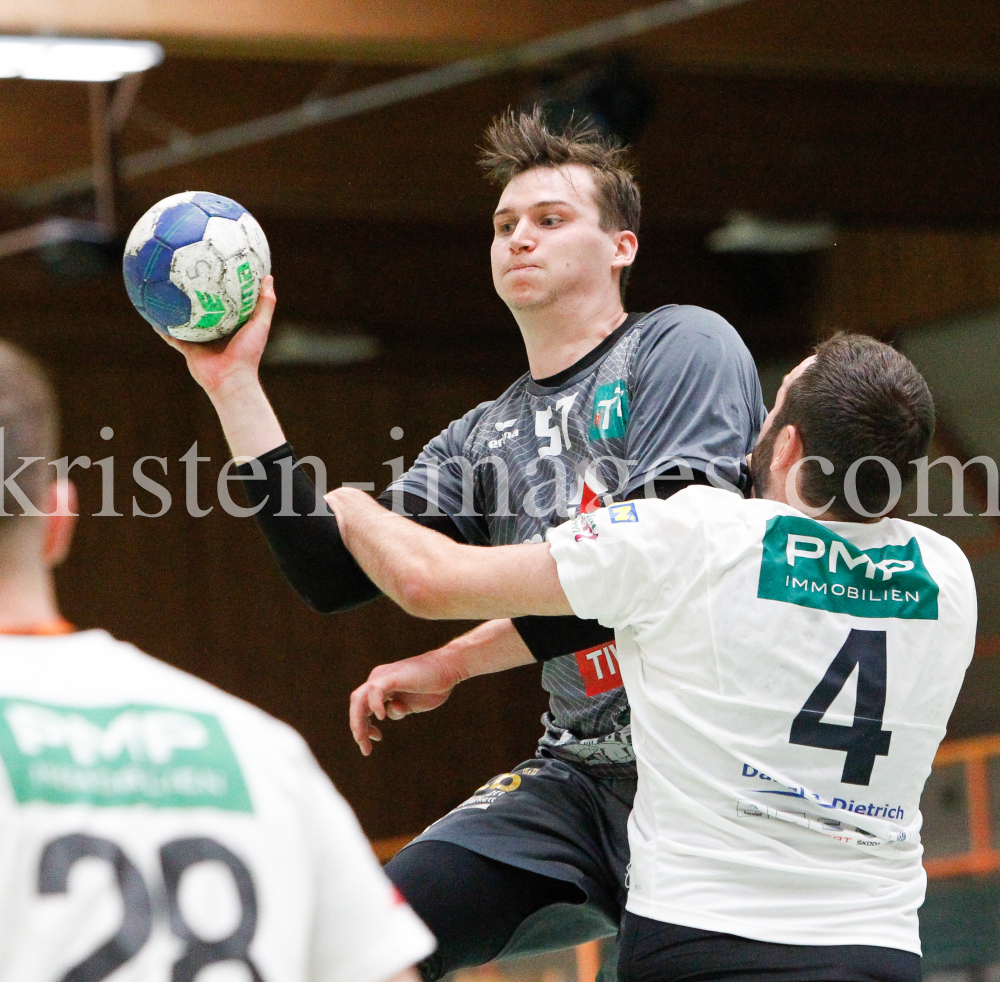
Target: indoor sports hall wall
203,592
878,120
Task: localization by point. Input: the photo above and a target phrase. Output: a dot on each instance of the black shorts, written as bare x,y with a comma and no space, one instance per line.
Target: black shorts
559,820
653,951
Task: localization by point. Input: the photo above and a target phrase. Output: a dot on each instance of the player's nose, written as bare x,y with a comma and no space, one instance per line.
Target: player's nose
521,238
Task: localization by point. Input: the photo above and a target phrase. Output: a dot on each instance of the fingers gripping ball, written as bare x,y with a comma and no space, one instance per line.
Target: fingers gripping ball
194,264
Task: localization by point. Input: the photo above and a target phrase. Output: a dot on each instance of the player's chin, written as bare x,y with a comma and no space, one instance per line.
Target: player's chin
527,298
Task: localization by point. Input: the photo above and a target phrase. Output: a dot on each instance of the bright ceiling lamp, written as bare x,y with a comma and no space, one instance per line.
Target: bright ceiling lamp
746,232
75,59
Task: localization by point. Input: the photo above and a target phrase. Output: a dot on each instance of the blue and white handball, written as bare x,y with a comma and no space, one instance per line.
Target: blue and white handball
194,265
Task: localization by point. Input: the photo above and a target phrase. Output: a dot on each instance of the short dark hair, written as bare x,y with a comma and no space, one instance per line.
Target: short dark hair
29,415
520,141
859,398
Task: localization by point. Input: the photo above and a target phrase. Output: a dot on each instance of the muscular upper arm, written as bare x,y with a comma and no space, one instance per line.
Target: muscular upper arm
484,583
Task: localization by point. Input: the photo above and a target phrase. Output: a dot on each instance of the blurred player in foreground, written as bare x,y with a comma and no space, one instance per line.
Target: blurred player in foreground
151,826
615,405
791,664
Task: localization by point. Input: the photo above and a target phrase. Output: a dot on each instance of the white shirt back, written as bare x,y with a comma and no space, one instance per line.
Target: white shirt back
790,681
156,828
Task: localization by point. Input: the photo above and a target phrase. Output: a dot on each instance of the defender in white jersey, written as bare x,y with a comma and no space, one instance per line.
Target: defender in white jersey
791,664
151,826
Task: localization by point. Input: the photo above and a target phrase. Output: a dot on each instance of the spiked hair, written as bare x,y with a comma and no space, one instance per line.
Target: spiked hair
520,141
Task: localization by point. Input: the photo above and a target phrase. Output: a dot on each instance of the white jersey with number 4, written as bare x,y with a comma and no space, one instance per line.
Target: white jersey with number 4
790,681
155,829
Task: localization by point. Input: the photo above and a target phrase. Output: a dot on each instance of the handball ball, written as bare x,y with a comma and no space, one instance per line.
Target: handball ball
194,264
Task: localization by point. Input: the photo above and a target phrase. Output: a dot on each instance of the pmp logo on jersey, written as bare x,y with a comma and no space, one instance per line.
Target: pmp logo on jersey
625,512
805,563
121,755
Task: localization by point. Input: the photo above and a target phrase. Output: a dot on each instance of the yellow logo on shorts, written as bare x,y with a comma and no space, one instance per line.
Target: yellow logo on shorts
491,792
503,783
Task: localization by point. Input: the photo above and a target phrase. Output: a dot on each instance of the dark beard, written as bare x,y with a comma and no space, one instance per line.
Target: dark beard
760,463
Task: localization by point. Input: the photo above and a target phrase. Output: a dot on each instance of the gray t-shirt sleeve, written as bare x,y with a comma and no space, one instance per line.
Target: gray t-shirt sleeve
694,396
442,475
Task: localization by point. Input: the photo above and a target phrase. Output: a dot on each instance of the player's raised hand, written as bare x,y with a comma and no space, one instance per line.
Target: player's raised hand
233,360
227,371
413,685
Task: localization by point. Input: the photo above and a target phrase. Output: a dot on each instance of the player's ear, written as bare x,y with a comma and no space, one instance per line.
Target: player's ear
60,508
626,247
787,449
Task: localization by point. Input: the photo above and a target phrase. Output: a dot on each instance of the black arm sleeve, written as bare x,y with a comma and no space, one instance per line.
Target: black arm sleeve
308,547
551,637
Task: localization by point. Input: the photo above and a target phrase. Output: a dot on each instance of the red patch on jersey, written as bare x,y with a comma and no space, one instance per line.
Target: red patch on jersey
589,501
599,668
397,897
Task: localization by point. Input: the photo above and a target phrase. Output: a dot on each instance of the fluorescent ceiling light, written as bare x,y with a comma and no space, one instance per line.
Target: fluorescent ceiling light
296,344
75,59
746,232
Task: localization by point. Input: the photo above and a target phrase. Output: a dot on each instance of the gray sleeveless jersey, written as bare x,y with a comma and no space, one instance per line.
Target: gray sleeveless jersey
675,388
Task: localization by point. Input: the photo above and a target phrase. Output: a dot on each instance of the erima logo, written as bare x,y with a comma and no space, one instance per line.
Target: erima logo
804,563
507,433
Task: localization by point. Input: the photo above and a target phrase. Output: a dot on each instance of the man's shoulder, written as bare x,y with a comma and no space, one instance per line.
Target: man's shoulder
727,522
688,337
697,505
933,542
685,320
707,500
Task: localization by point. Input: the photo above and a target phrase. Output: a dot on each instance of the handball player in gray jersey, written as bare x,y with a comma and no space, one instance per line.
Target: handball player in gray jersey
615,406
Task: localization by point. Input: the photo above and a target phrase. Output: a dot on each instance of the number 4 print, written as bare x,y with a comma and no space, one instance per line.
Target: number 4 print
865,739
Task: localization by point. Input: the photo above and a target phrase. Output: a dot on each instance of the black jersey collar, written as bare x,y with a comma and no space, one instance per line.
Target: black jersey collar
592,356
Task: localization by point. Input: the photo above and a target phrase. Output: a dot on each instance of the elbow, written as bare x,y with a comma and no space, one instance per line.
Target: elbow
421,596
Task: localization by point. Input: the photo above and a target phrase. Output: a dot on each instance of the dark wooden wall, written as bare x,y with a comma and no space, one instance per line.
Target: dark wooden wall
879,116
203,593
